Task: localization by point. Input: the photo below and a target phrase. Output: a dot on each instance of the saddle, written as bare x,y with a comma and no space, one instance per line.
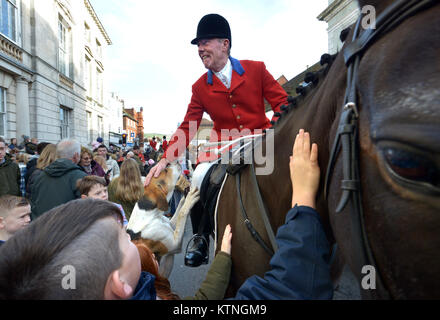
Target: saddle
211,185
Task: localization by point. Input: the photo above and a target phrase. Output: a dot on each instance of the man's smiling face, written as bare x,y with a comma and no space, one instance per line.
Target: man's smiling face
214,53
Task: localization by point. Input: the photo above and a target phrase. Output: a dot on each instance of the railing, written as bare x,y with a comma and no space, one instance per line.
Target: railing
11,49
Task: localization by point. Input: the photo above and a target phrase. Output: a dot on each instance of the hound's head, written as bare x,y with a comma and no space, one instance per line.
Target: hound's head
159,191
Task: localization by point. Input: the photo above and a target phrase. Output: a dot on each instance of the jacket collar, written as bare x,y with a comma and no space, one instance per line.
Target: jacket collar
236,66
145,289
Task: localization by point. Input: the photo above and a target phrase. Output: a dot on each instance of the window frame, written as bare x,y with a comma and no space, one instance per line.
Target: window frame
64,47
4,113
89,116
101,126
99,86
16,27
64,123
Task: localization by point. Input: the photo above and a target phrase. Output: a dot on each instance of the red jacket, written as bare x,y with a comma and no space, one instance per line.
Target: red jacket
240,107
164,145
153,144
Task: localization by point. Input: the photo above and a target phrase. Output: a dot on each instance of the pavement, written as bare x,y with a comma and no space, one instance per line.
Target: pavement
185,281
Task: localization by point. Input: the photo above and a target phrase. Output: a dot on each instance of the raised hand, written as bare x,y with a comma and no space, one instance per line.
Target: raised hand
304,171
226,241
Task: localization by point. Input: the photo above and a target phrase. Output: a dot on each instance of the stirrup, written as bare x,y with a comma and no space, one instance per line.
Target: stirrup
193,238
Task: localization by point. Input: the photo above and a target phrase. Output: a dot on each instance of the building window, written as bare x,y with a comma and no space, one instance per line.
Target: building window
65,47
100,127
64,122
89,126
9,19
88,76
99,89
87,33
3,128
98,49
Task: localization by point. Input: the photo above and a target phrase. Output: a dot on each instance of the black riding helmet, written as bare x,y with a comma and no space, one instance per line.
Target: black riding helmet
213,26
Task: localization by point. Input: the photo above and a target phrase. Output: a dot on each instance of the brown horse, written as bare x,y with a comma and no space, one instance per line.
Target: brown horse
398,90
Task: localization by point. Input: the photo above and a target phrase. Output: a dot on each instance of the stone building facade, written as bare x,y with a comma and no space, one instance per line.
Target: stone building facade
339,15
116,105
44,86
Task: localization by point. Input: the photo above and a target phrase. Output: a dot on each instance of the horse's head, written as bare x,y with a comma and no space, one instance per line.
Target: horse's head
159,191
399,135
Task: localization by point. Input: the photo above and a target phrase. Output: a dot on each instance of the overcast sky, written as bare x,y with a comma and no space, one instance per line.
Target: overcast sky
152,64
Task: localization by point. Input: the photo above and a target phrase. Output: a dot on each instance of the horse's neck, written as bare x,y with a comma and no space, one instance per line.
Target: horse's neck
316,114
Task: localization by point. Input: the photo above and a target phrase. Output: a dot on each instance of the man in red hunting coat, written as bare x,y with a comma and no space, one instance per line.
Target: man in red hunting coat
232,92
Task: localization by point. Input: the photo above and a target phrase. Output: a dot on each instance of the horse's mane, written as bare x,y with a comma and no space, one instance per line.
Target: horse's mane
312,79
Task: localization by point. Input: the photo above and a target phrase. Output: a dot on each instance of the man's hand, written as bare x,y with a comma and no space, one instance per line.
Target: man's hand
156,170
304,171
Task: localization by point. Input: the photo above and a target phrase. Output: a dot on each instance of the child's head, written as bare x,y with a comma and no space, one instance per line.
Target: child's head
14,215
78,250
150,264
92,187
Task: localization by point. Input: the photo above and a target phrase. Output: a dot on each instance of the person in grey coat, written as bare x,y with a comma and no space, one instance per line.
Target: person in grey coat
56,184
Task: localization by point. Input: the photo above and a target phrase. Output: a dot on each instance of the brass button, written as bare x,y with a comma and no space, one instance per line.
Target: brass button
241,126
234,106
238,117
230,97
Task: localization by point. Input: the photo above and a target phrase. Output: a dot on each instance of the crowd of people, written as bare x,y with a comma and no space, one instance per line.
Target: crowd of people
34,251
35,170
72,197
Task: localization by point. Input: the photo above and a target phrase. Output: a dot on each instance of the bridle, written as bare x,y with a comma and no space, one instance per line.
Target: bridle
347,135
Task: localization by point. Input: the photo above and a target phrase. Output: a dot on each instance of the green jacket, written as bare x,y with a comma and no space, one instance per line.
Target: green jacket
54,186
128,206
217,279
10,178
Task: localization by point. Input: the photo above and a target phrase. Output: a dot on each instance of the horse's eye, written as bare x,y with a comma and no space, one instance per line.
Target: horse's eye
411,166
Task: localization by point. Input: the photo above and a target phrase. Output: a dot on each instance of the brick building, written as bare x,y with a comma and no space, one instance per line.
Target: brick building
130,126
140,127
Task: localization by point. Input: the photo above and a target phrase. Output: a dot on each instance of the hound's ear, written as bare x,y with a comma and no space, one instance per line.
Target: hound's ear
162,203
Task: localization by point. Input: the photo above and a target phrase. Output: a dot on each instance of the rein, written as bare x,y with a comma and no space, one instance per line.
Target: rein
236,170
347,134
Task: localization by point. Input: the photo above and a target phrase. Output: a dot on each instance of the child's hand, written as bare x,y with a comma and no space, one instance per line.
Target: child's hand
304,171
226,241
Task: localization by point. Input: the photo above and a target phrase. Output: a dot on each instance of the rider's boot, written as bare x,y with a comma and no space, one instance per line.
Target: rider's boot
198,253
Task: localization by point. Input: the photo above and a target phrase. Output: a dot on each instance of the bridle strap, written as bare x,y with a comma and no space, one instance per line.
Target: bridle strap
391,17
346,140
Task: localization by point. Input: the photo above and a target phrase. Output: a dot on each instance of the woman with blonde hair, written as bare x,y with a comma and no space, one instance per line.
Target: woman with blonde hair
90,166
48,156
127,188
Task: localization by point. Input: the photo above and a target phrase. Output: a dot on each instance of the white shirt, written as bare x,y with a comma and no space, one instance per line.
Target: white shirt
225,75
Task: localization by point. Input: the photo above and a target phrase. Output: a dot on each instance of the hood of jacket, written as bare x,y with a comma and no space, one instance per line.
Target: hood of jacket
145,289
60,167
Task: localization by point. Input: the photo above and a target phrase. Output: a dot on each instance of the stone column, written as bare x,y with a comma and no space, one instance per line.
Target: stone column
22,108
